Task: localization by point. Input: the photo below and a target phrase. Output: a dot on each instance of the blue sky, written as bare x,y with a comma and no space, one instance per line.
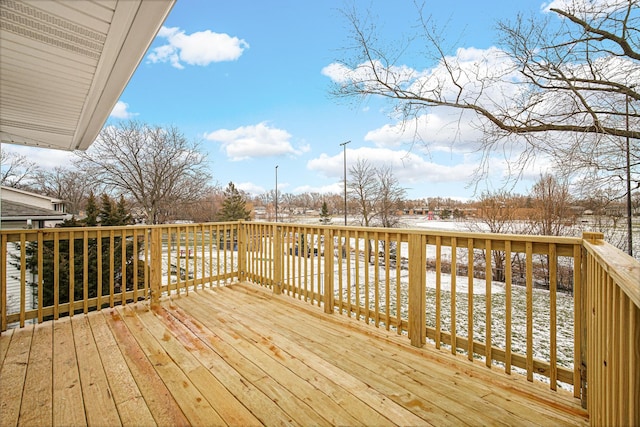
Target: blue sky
249,81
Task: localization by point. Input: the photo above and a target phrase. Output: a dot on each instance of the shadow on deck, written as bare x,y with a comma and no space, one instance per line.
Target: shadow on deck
239,355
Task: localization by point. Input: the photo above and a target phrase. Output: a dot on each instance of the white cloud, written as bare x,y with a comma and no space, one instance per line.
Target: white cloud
443,130
255,141
121,111
46,158
199,48
250,188
409,168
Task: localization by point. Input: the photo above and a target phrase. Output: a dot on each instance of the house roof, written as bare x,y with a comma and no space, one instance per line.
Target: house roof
64,65
5,193
12,211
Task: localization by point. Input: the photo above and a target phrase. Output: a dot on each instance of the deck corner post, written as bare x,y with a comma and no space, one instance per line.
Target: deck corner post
592,237
278,251
584,319
328,256
156,265
417,290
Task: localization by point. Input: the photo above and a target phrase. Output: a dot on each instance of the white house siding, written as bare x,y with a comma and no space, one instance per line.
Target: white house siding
13,283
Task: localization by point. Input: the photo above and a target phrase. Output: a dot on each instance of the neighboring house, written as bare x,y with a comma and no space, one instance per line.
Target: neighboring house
24,210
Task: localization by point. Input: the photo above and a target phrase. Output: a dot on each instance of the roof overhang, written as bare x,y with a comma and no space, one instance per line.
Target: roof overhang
64,65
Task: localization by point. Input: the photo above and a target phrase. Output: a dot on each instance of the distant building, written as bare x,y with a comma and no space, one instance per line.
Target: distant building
23,209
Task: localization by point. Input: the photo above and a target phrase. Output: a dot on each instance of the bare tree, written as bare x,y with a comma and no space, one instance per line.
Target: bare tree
564,85
376,192
552,214
569,76
15,169
497,212
156,167
66,184
364,190
391,197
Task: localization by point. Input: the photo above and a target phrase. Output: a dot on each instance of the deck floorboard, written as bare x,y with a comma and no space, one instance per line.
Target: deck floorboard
239,355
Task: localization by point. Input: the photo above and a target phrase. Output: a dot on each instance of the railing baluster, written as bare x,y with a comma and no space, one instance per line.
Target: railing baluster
376,279
23,278
529,310
357,278
347,241
470,260
438,290
488,281
134,255
99,267
71,272
40,276
454,271
147,263
553,277
398,283
123,268
112,261
56,276
507,279
387,281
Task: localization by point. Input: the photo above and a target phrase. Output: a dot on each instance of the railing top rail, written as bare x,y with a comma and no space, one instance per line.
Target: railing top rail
435,232
623,268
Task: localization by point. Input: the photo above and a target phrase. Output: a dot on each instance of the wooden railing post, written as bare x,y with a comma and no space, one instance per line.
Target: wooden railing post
242,251
277,259
417,289
328,271
156,265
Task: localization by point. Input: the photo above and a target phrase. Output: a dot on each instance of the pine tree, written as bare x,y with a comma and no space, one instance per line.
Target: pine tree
325,218
92,212
107,209
110,213
234,207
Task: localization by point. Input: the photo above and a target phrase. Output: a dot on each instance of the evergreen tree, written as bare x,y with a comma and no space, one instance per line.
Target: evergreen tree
107,208
92,212
325,218
234,207
120,214
110,213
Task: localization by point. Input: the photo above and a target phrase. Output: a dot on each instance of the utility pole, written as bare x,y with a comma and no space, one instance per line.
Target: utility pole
344,146
629,210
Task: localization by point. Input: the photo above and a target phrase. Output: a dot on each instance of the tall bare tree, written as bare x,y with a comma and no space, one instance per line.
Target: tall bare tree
564,85
156,167
551,213
391,197
65,183
364,190
376,192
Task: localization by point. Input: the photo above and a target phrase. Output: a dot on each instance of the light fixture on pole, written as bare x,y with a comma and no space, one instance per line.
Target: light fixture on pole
344,146
276,195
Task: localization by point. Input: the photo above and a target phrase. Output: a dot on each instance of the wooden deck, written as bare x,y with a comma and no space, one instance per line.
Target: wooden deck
242,356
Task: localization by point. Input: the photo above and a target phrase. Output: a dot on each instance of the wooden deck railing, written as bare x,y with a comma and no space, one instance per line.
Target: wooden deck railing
563,310
86,268
612,342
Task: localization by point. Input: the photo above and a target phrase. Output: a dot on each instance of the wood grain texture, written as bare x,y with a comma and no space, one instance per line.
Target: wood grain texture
240,355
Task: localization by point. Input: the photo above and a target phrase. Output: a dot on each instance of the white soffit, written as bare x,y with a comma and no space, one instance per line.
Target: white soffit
65,63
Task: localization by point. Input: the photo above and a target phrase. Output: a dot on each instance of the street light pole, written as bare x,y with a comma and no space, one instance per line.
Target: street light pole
344,146
276,193
629,210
